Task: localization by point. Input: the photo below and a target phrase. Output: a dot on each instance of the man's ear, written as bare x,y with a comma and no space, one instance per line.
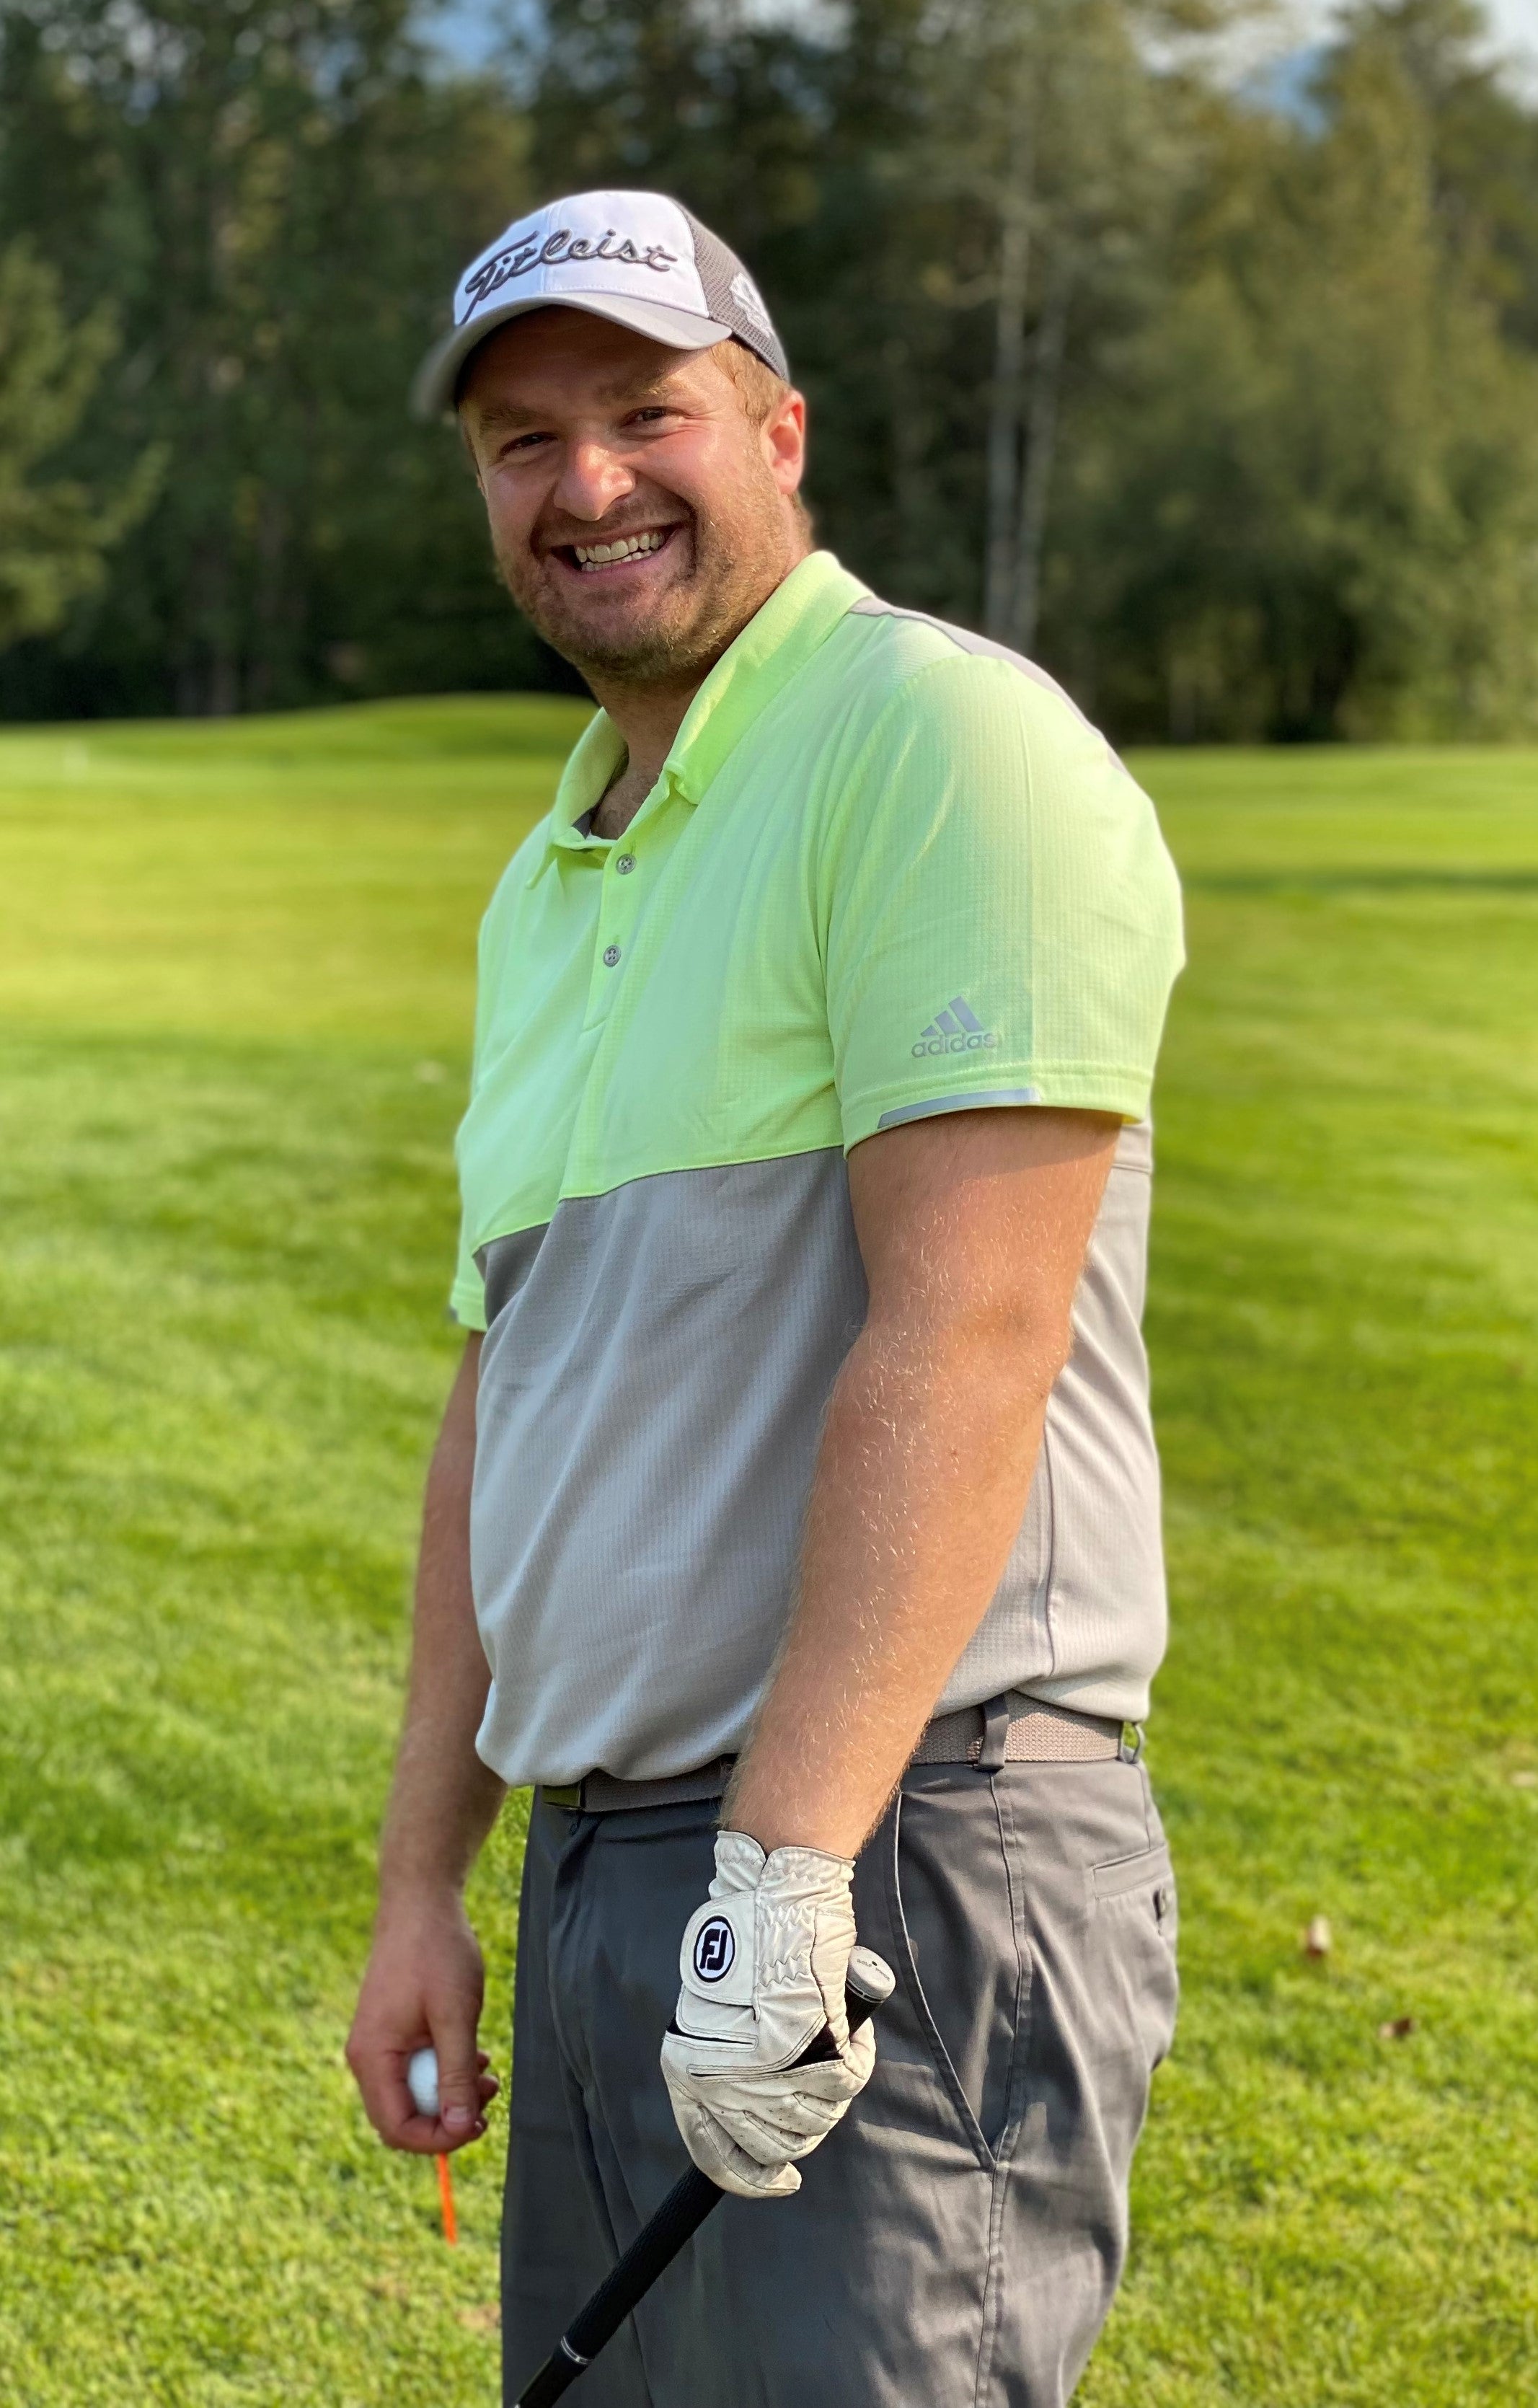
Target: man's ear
784,437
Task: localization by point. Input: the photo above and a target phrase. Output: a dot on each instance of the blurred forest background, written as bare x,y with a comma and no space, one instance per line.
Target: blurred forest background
1226,407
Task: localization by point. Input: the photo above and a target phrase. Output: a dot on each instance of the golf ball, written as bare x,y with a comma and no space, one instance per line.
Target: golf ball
422,2080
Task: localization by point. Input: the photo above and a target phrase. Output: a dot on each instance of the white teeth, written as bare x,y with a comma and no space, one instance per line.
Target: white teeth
625,547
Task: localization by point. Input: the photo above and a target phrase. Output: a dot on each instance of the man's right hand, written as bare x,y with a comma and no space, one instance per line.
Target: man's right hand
423,1989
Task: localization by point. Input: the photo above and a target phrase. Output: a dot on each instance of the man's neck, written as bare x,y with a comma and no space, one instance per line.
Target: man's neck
648,721
649,717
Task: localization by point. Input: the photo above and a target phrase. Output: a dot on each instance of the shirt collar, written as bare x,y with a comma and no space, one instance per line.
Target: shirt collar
584,782
780,639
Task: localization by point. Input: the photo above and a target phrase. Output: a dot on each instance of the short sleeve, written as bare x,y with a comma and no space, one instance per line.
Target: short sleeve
467,1295
1000,917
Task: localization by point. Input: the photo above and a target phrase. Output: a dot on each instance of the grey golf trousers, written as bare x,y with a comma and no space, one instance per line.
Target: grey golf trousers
957,2238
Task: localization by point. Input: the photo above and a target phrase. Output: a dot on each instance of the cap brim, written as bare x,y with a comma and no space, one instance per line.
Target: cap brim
432,393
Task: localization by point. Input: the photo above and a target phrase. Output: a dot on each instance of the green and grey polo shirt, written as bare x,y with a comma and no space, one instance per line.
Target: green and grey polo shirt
887,870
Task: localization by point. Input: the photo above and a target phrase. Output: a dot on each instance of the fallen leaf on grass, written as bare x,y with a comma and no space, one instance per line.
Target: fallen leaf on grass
1316,1938
479,2319
1401,2028
1524,1780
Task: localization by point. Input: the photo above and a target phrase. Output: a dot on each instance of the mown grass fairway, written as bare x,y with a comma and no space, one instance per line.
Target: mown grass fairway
235,990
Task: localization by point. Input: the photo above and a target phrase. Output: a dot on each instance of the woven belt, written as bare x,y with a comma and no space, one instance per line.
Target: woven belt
1019,1730
1015,1729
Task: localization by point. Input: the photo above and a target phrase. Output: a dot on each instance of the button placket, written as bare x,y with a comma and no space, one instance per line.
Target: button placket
616,923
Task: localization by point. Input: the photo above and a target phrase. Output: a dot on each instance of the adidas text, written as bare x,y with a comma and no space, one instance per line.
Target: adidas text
956,1044
955,1030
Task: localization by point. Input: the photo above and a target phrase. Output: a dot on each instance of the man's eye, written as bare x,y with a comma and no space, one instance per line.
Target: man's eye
522,443
652,411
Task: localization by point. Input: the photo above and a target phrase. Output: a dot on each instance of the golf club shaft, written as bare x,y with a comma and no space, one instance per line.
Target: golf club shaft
654,2247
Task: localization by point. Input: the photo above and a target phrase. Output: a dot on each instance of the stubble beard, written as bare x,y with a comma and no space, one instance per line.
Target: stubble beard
737,565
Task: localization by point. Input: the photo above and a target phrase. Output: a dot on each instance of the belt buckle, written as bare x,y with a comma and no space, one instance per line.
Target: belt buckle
568,1797
1133,1741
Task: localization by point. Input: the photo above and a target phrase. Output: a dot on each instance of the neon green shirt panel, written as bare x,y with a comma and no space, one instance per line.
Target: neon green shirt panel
549,1006
1003,918
879,875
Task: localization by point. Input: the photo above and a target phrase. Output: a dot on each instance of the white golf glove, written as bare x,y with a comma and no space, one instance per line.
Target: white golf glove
759,2061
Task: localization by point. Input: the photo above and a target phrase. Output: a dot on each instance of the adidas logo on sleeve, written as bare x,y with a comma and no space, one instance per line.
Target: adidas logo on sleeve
955,1030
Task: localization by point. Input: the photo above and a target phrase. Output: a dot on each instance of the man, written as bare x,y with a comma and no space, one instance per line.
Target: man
800,1498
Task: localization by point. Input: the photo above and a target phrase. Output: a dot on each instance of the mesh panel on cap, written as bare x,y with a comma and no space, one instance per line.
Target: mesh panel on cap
733,299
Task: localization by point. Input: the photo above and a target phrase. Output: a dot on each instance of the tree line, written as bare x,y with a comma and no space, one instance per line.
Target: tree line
1227,413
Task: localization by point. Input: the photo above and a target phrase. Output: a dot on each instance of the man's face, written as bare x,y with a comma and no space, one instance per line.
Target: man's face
587,438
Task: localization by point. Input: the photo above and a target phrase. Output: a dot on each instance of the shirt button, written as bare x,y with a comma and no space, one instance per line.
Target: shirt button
625,864
611,954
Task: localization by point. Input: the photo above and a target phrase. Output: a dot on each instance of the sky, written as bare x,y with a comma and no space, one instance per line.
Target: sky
1516,20
1514,25
465,28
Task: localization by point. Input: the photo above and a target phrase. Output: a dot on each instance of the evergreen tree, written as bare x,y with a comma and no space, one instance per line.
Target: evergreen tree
277,194
1233,420
1316,511
56,534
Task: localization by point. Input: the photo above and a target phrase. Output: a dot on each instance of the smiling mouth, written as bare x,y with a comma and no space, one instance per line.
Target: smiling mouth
619,553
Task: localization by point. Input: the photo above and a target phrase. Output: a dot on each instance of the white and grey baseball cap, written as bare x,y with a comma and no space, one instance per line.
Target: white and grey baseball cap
638,258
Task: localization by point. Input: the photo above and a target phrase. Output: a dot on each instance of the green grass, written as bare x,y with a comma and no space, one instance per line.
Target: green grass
235,991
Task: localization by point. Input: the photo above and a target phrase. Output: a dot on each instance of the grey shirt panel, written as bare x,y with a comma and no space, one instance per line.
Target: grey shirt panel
1080,1616
652,1384
651,1388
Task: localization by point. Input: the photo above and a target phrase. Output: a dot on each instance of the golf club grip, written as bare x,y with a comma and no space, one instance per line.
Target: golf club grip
654,2247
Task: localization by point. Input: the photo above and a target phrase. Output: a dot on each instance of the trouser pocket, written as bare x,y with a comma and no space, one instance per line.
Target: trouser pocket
962,1958
1134,1927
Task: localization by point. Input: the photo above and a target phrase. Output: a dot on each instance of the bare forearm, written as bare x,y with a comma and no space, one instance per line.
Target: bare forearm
424,1983
973,1227
444,1799
930,1442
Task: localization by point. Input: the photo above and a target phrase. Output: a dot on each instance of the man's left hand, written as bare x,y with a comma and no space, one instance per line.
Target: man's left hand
760,2060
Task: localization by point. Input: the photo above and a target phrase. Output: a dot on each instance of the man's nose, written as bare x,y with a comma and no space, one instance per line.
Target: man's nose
591,482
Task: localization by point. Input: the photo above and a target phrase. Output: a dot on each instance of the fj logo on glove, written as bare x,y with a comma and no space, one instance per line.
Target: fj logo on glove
714,1947
752,2062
